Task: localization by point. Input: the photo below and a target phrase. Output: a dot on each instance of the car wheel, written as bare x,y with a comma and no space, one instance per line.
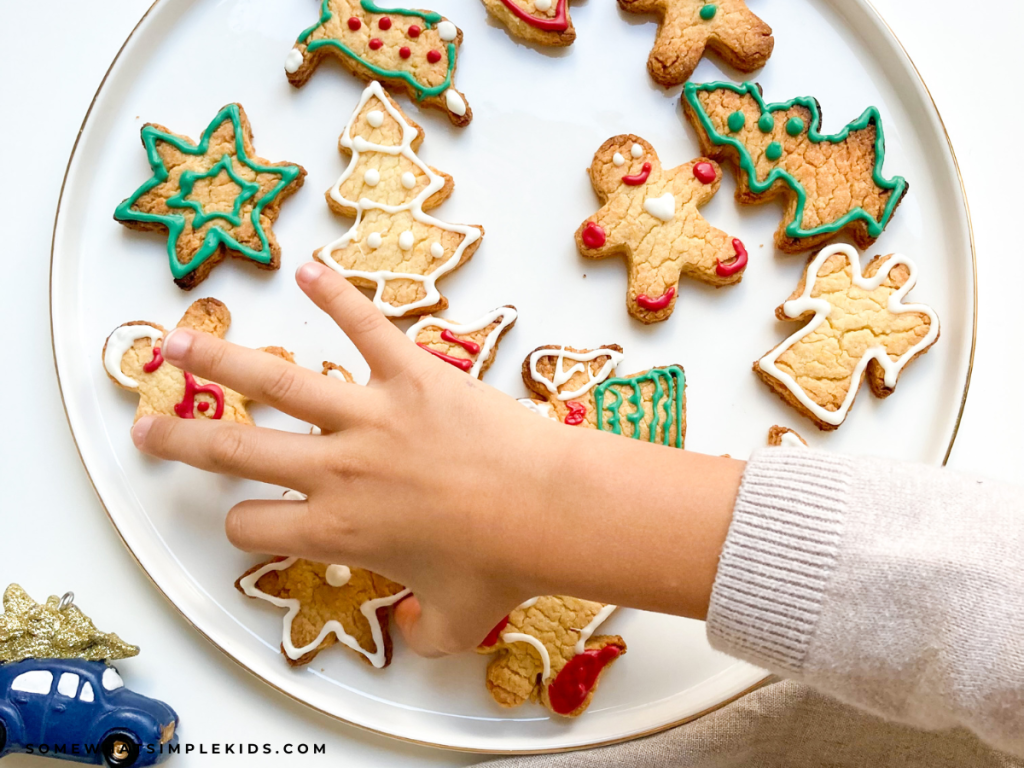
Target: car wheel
120,750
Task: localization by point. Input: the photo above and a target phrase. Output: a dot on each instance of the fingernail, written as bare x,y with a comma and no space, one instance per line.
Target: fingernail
309,272
141,428
176,344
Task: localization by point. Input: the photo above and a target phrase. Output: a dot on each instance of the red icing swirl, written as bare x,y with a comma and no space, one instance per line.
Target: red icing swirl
653,305
640,178
705,173
577,413
186,408
593,236
730,268
578,677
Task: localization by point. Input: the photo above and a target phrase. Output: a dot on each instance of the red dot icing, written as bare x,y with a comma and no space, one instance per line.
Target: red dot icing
384,23
414,31
404,52
577,679
354,23
593,235
705,173
577,413
375,43
433,56
495,634
203,407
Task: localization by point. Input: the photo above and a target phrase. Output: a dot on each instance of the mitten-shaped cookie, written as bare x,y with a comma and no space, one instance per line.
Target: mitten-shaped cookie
470,347
856,326
651,216
544,22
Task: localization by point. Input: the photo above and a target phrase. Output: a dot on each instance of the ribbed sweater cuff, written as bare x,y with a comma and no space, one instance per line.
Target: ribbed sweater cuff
778,556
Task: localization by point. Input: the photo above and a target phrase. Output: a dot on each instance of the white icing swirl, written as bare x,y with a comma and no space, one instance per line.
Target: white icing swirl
119,342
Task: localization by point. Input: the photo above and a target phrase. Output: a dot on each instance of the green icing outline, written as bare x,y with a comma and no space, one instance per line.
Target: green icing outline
187,182
175,223
897,185
669,395
430,19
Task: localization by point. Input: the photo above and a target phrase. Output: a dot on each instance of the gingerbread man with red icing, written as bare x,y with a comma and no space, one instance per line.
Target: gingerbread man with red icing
651,216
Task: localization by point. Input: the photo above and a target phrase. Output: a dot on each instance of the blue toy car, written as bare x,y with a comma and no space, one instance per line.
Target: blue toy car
80,710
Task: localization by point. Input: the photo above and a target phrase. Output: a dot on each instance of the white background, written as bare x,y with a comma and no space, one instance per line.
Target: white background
53,532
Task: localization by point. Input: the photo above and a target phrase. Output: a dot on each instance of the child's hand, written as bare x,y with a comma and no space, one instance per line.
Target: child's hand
435,480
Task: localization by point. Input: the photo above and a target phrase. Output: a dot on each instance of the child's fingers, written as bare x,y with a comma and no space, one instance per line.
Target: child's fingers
279,458
432,633
409,618
382,344
275,527
268,379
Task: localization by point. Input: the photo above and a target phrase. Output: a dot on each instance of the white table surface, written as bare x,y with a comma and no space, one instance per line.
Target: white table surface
54,535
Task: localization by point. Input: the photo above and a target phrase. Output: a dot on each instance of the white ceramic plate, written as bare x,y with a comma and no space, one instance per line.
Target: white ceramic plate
519,170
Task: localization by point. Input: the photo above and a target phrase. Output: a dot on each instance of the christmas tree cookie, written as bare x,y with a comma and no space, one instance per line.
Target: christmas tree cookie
132,359
544,22
689,27
394,247
651,216
416,51
831,184
213,199
470,347
547,652
856,326
578,388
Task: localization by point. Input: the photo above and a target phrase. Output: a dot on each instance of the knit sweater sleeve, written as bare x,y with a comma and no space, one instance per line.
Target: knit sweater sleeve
893,587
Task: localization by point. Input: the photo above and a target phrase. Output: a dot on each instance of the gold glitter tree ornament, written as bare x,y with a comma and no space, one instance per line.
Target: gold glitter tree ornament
56,629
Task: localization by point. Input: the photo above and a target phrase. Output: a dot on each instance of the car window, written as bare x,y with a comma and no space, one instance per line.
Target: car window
86,695
68,685
36,681
111,680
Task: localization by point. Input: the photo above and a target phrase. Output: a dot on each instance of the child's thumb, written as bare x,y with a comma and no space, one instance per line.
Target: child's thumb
426,630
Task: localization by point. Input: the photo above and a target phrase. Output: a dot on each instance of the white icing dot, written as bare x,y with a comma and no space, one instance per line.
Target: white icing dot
408,180
293,61
447,31
405,240
374,240
618,159
637,151
543,5
437,250
454,102
372,177
338,575
375,118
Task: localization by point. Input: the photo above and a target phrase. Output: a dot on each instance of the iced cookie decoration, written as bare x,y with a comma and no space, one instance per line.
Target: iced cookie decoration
689,27
394,247
856,325
651,216
784,437
578,388
416,51
326,604
831,183
544,22
213,199
131,357
470,347
547,652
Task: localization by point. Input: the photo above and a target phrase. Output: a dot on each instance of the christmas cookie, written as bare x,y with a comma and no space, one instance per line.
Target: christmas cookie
651,216
407,49
394,247
577,387
544,22
214,199
689,27
784,437
327,604
131,357
831,184
470,347
547,652
856,325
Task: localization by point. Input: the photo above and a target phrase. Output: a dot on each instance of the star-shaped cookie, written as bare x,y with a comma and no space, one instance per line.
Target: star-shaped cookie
213,199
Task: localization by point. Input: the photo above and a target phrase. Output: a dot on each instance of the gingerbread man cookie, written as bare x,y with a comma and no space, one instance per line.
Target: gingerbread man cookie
651,216
394,247
544,22
576,387
856,325
131,357
470,347
213,199
831,184
689,27
548,653
784,437
408,49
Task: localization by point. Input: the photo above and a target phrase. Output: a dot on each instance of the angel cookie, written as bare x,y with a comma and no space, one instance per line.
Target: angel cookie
856,325
213,199
544,22
470,347
651,216
689,27
576,387
393,247
831,184
326,604
547,652
407,49
131,357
